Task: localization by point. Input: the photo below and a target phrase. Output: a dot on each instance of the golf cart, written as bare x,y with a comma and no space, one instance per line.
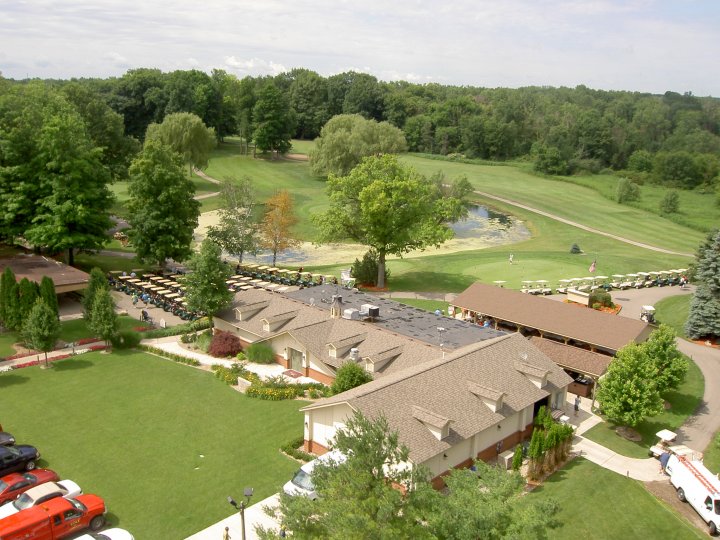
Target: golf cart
647,314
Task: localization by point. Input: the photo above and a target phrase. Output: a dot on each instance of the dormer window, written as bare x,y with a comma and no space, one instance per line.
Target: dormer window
492,398
437,424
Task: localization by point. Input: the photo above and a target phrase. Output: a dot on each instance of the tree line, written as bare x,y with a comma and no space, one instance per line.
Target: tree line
675,137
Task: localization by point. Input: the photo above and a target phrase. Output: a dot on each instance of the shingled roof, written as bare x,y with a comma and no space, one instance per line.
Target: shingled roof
603,330
441,387
573,358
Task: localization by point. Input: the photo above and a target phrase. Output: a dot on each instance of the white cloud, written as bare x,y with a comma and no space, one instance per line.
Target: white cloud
254,66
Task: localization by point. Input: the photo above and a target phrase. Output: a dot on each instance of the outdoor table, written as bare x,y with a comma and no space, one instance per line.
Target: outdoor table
246,287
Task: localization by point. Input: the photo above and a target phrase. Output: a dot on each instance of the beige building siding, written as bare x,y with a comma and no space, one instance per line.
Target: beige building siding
322,424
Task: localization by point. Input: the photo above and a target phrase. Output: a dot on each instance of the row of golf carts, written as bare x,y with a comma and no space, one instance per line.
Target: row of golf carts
589,284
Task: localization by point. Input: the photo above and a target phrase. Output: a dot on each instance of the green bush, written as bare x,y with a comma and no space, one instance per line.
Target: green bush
126,340
517,458
204,340
260,353
575,249
188,338
194,326
273,394
291,449
602,298
627,191
241,356
366,271
349,376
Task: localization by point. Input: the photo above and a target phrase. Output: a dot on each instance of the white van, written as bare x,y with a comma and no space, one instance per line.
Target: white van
301,483
696,485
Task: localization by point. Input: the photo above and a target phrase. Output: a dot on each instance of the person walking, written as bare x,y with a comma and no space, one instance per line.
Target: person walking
577,404
226,534
511,258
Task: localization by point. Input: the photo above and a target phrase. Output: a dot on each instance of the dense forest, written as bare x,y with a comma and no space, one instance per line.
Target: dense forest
672,139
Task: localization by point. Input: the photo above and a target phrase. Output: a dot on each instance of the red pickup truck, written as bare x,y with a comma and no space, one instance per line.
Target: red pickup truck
55,519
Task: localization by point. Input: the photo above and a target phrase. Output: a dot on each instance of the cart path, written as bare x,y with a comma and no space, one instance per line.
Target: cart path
209,179
580,225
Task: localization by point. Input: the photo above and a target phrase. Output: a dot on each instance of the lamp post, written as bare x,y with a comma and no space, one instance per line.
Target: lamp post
248,492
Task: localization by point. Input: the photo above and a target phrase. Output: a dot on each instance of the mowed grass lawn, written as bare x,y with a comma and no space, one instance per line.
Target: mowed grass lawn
568,200
683,402
674,311
598,504
164,444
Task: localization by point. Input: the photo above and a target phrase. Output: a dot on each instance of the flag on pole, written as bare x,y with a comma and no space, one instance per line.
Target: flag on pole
592,267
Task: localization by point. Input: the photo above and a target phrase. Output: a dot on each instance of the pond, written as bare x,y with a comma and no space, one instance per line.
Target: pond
487,224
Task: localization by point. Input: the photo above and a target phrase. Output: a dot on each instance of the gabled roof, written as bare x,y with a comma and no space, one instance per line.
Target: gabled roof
440,386
590,326
573,358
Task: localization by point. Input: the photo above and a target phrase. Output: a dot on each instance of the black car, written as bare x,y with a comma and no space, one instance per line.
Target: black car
6,439
17,458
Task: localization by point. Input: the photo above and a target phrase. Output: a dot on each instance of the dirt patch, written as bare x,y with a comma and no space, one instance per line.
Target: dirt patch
629,433
664,490
296,157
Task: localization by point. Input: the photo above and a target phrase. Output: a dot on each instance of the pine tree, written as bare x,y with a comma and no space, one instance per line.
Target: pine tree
41,328
28,295
48,294
206,290
13,318
704,317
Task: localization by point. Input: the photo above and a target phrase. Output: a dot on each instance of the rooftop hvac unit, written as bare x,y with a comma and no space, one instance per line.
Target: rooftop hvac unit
369,310
354,354
351,314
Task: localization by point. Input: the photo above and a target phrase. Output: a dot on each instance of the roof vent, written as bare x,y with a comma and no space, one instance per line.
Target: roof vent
351,314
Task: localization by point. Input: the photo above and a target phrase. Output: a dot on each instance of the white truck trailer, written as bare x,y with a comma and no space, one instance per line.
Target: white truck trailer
696,485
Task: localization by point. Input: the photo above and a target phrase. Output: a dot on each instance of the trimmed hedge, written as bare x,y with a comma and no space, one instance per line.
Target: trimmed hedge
170,356
273,394
291,449
194,326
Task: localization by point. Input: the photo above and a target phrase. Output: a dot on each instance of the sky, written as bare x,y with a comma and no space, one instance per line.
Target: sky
644,45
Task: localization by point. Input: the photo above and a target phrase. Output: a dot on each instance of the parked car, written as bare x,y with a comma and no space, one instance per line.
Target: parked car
6,439
301,483
17,458
55,519
14,484
110,534
40,494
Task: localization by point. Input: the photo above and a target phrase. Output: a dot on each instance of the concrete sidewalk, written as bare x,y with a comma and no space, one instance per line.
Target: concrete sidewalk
254,516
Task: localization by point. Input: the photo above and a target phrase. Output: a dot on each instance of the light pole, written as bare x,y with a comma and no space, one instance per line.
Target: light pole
248,492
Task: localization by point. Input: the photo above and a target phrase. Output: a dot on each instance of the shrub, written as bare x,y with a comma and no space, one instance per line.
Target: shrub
670,203
273,394
517,458
366,271
291,449
188,338
627,191
204,340
224,344
241,356
602,298
194,326
575,249
126,340
349,376
260,353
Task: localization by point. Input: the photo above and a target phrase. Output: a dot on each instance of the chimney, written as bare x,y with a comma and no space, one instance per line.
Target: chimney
336,307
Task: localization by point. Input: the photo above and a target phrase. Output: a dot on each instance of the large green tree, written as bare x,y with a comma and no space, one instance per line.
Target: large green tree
670,364
346,139
390,207
161,211
187,135
205,287
273,123
237,230
629,391
41,328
